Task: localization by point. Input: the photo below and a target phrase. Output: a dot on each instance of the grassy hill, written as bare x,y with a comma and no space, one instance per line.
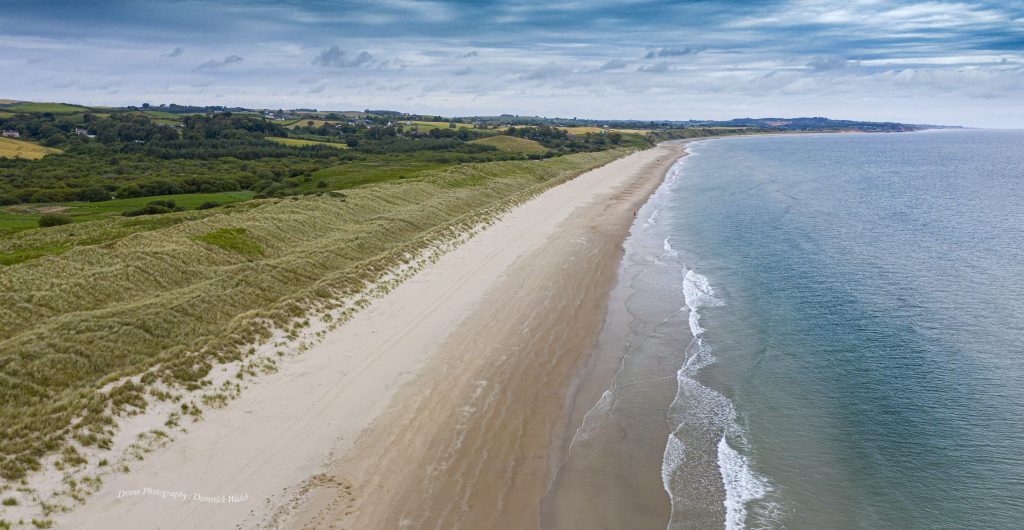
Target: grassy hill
54,108
182,292
512,144
11,148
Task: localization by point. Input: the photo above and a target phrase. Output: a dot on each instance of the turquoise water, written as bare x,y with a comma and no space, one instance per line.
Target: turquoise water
846,316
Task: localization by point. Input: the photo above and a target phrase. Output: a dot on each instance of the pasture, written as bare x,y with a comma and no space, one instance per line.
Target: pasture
23,216
12,148
425,126
585,130
304,122
513,144
54,108
298,142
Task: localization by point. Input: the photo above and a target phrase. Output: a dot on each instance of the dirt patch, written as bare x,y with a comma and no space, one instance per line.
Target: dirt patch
52,209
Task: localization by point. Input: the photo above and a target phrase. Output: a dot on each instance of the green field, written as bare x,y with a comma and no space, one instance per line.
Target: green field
371,171
163,115
27,215
298,142
11,148
305,121
165,298
585,130
427,125
513,144
55,108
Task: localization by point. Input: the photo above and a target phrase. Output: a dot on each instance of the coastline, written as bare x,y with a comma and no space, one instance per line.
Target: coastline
418,349
497,391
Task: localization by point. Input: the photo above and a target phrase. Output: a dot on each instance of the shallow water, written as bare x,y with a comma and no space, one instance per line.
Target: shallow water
826,331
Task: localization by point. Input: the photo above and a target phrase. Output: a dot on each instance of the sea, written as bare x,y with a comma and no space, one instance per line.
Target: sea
818,331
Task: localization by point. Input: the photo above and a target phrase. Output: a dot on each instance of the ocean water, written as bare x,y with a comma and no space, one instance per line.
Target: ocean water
825,331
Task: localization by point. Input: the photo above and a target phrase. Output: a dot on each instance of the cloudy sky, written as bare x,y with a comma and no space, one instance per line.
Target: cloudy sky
954,62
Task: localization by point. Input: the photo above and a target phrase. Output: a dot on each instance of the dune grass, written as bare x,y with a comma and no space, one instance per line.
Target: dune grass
129,305
512,144
11,148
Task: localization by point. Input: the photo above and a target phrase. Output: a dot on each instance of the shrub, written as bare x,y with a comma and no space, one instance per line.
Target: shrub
150,209
207,205
154,208
54,219
169,204
10,501
94,195
321,184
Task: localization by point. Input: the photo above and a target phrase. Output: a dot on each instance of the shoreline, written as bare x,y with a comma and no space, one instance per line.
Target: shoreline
343,389
495,394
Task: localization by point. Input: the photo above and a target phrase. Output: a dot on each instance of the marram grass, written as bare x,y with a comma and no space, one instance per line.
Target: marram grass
87,332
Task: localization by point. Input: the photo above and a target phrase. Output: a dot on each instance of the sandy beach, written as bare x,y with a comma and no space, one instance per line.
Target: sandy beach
436,407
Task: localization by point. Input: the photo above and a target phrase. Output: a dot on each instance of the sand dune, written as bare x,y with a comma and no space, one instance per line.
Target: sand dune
433,408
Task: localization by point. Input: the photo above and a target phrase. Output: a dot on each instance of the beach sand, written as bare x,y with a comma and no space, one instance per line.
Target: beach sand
436,407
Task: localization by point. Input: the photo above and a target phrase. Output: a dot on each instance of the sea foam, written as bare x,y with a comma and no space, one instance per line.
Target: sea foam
698,293
742,485
699,407
671,462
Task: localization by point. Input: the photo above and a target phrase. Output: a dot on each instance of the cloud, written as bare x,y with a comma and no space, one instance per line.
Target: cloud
550,71
214,63
656,68
672,52
335,57
614,64
319,87
824,63
962,57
